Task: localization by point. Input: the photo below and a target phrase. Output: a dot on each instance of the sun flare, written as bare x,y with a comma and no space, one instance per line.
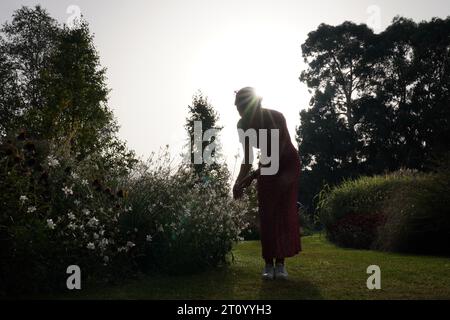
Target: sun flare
254,56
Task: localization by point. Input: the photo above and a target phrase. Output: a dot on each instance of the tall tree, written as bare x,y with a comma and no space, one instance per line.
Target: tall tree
55,88
26,45
380,102
202,110
431,92
339,74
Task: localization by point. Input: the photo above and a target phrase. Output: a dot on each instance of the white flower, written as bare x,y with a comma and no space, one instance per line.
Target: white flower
71,215
90,246
51,224
120,249
67,191
84,182
86,212
96,236
103,243
148,238
52,161
75,175
31,209
130,244
77,202
71,226
161,228
23,199
106,259
92,222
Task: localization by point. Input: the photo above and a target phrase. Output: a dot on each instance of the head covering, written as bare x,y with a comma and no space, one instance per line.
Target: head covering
247,97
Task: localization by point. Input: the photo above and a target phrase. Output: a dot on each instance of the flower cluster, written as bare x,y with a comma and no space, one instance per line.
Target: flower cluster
192,218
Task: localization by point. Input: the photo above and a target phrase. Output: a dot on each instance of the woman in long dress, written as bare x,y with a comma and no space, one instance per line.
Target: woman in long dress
277,193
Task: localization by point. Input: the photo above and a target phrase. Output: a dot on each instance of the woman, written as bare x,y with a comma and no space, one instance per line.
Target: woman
277,194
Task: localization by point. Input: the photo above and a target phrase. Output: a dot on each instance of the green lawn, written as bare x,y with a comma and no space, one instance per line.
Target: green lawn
321,271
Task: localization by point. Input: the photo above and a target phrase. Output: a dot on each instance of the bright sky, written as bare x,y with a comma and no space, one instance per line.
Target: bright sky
159,52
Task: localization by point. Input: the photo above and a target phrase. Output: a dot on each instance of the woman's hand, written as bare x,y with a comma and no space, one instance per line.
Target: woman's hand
243,180
239,186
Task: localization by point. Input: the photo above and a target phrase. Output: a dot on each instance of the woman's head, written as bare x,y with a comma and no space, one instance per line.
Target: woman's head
247,101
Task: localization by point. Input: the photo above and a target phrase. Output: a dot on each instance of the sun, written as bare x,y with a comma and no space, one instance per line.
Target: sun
259,56
264,57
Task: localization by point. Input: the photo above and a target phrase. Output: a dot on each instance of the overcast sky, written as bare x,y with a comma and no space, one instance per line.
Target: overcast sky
158,53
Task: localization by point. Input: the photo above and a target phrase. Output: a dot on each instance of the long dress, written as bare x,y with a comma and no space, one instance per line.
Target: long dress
277,194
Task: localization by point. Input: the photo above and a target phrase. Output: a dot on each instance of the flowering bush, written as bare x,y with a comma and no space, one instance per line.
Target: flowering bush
190,219
56,211
251,215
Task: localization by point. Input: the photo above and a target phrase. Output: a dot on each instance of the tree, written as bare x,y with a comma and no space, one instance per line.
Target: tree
26,45
431,92
380,102
202,110
339,73
55,88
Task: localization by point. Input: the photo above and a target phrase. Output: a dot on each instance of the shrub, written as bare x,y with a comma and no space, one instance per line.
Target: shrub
365,195
418,217
356,230
190,220
57,211
403,211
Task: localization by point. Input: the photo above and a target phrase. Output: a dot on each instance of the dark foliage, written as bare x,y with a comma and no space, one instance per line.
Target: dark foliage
380,101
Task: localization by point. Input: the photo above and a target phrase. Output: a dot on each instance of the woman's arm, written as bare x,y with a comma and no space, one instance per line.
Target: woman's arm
246,166
238,189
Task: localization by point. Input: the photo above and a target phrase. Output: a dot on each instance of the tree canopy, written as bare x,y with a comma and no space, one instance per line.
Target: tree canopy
380,101
53,88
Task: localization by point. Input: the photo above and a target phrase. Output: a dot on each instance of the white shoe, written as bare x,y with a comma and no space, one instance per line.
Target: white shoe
280,271
268,272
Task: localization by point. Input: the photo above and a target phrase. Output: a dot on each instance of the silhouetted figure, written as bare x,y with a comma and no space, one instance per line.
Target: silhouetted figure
277,194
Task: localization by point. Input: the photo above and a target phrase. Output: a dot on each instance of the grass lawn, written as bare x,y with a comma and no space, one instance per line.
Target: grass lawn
321,271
